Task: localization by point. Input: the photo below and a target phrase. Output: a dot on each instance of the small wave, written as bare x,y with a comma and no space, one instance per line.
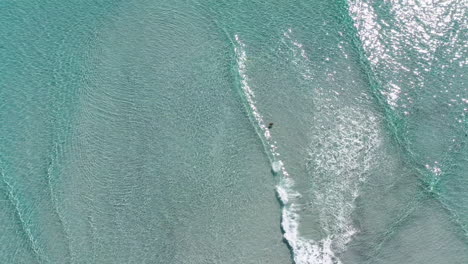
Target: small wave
304,250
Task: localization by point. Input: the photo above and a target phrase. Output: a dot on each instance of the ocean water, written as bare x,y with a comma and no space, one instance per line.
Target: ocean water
137,131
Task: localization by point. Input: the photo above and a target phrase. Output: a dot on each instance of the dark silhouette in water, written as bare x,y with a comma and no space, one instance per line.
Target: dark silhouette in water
270,125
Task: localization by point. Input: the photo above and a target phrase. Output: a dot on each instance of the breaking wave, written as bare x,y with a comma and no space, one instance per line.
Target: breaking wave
357,137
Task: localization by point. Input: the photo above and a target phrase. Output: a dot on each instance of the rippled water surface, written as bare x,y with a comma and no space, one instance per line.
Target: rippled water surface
137,131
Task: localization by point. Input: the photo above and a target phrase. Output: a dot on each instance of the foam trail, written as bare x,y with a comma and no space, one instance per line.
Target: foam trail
304,250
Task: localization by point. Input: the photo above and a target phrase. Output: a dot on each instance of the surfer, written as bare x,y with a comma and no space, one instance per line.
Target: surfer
270,125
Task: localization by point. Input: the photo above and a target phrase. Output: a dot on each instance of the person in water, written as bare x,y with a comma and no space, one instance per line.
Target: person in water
270,125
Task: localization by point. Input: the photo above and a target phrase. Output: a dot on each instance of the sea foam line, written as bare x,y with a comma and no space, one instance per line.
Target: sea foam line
304,250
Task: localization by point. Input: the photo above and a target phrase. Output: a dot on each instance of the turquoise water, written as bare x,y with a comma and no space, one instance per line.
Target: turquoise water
136,131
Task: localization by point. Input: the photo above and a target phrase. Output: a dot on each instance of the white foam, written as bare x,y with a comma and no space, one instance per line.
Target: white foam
339,159
276,166
305,251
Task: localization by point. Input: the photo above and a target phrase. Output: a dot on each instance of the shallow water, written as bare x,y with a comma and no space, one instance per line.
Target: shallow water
136,132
